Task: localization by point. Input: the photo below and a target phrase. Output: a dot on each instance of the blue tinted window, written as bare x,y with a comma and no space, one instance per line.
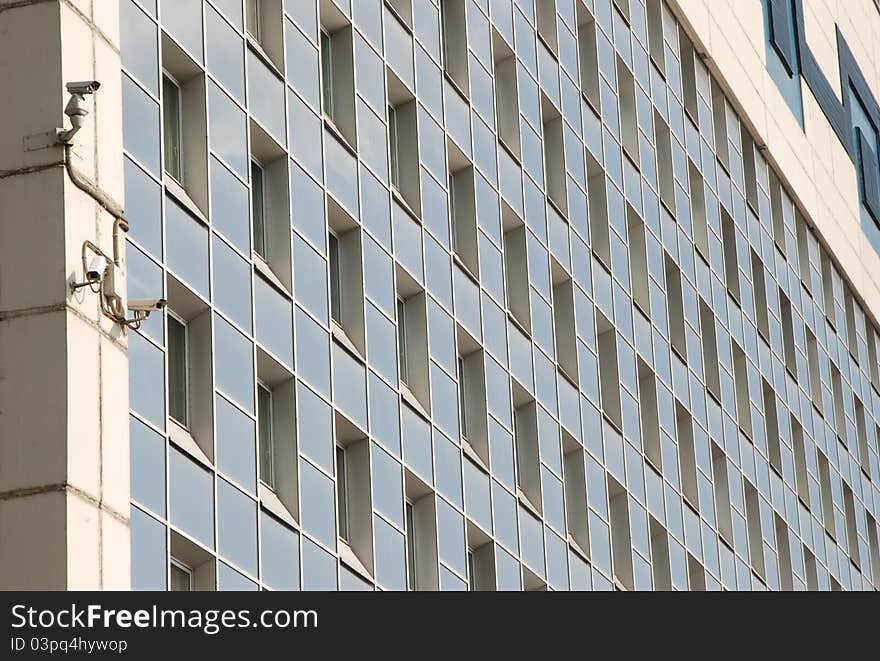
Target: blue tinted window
187,247
230,211
274,323
148,558
147,466
146,377
192,498
237,526
140,125
232,284
235,444
279,554
234,364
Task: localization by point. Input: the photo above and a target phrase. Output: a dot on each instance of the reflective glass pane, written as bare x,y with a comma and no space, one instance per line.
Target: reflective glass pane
390,556
279,554
384,414
318,504
266,97
319,567
387,485
476,493
143,208
274,323
187,246
307,200
140,126
228,130
312,352
349,387
235,444
147,466
417,443
233,363
183,19
225,53
237,526
230,580
139,43
148,557
229,206
192,498
450,536
146,378
314,424
232,284
310,274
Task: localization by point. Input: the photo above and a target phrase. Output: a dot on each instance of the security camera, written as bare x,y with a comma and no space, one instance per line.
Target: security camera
97,268
146,304
76,108
83,87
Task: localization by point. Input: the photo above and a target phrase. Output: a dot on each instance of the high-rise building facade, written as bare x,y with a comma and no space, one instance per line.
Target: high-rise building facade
461,294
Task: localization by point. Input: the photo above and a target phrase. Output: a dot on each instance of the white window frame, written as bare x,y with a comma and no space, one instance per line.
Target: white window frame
254,28
177,564
335,273
402,354
412,563
393,148
342,493
328,105
270,425
179,176
264,251
186,375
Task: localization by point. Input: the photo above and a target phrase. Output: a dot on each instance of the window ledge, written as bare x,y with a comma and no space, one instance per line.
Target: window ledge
266,271
526,502
516,322
401,200
413,401
272,503
591,103
183,439
345,341
454,83
558,208
261,53
393,10
577,549
568,377
333,127
547,45
458,261
510,151
179,193
471,454
350,558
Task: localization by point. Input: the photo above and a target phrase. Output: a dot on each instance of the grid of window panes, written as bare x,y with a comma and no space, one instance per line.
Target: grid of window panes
627,360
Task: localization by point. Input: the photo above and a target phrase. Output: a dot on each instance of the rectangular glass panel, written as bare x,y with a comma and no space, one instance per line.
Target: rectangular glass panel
326,77
401,339
462,398
177,370
258,210
342,492
171,132
253,18
335,293
411,582
392,142
267,441
181,578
